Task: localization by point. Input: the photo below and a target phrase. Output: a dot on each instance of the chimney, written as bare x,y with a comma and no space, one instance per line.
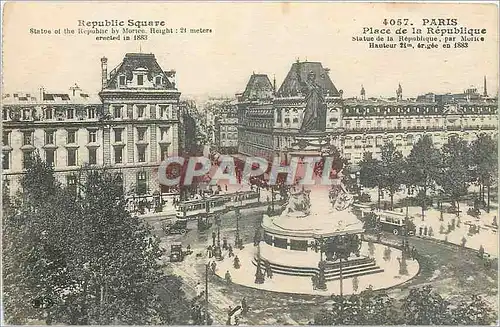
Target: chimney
485,91
274,84
104,70
42,92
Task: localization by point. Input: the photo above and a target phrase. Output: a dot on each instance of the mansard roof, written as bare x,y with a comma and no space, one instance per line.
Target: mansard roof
258,87
139,61
292,87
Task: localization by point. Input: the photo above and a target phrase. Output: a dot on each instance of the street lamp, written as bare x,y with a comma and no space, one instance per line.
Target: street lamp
318,246
218,251
259,275
238,241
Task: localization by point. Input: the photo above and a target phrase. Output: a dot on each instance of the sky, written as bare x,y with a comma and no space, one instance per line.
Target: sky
248,37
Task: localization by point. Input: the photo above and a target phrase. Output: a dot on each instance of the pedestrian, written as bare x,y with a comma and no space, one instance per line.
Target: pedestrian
314,280
227,277
224,243
229,309
231,254
225,186
236,263
269,271
425,231
244,306
214,266
210,251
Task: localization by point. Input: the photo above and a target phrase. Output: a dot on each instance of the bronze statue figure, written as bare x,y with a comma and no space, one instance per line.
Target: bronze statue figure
314,115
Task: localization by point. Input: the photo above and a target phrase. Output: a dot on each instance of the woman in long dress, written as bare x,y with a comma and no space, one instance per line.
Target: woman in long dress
312,118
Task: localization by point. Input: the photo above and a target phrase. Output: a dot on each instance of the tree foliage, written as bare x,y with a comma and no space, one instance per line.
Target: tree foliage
84,254
422,306
391,167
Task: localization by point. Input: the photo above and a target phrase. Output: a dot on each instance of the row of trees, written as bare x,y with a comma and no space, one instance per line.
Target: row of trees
451,169
81,258
422,306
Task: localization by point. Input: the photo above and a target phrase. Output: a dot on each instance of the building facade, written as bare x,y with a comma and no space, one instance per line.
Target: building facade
226,130
129,128
63,128
269,121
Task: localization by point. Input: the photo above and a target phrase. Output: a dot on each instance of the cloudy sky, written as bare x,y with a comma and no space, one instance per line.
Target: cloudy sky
248,37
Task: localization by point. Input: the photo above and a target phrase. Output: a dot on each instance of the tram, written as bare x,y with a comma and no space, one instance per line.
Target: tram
395,222
216,204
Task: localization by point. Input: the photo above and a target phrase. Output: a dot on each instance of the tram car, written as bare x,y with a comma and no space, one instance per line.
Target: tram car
394,222
216,204
244,199
193,208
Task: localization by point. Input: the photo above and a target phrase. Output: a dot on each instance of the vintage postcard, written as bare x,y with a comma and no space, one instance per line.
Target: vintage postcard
258,163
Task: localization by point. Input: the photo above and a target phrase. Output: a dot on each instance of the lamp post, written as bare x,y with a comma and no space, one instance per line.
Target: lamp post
318,246
218,251
259,275
237,242
207,268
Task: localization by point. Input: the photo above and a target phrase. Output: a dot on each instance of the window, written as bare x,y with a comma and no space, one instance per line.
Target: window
287,120
118,135
49,157
119,182
71,157
71,137
70,113
49,137
122,80
71,181
117,111
278,116
140,111
49,113
141,134
295,120
5,138
92,136
158,80
140,79
268,238
347,124
28,138
26,159
223,135
141,151
26,114
358,124
164,111
280,242
164,134
142,185
164,153
6,160
5,114
118,154
91,113
92,156
298,245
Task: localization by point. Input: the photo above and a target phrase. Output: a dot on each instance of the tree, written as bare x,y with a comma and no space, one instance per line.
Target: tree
85,254
422,167
473,312
423,306
454,176
391,168
370,173
484,164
